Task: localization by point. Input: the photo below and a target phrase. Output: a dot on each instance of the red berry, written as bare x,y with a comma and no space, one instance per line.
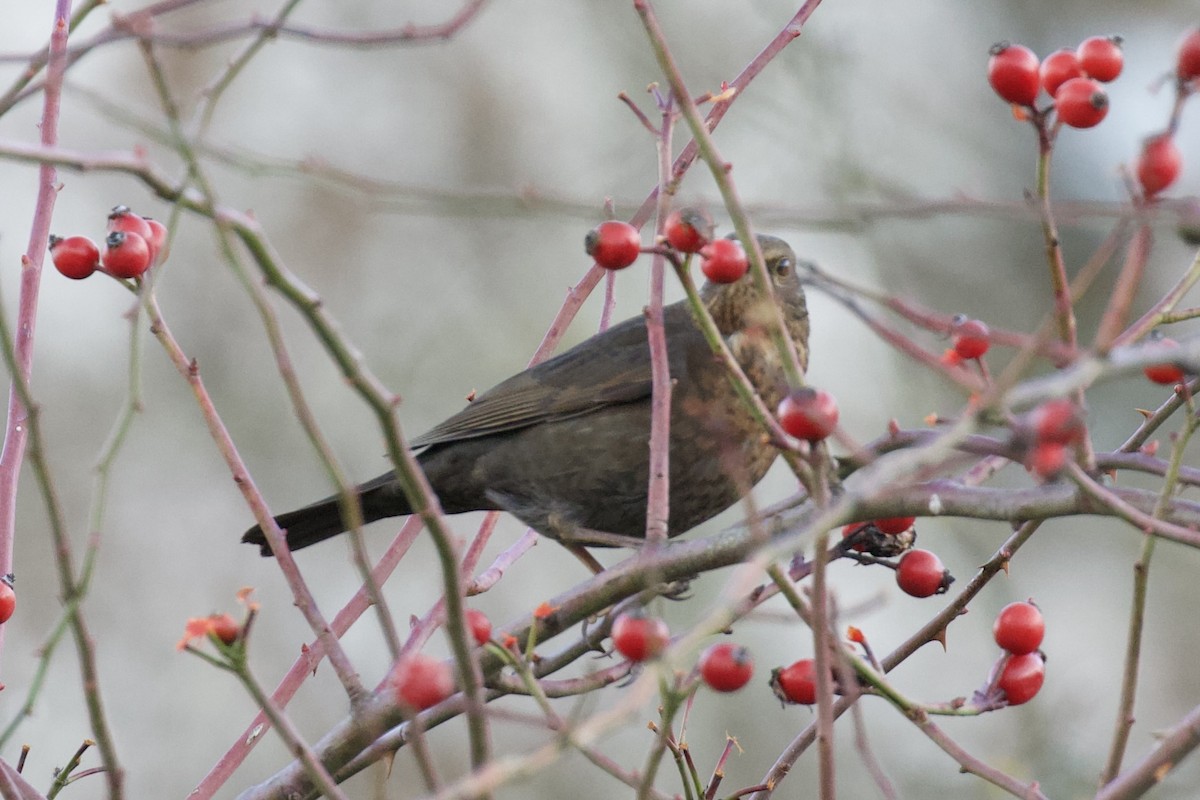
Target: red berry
921,574
126,255
157,241
724,261
1081,103
1058,421
688,229
1167,373
1019,628
1159,164
1101,57
971,338
479,625
613,244
1187,64
638,637
726,667
1048,459
421,681
1058,68
121,218
797,683
1022,677
852,529
8,599
807,413
1013,73
76,256
893,525
224,627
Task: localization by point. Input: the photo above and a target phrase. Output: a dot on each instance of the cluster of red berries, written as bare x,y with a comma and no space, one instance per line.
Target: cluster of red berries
1019,629
615,245
1072,78
133,244
724,667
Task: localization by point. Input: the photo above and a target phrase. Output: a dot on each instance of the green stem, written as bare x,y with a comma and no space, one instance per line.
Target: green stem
1137,613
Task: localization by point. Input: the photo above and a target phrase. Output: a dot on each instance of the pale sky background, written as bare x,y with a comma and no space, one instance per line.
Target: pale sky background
446,281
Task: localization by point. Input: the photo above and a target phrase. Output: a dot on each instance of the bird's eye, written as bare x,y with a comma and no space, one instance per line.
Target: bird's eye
783,267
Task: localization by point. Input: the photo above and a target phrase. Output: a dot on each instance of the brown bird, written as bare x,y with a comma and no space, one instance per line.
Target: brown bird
563,446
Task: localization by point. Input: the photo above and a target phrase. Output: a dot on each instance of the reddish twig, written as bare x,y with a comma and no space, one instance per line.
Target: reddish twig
15,430
1124,291
658,491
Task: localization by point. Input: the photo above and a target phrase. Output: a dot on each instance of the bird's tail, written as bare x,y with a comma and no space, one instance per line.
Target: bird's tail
322,520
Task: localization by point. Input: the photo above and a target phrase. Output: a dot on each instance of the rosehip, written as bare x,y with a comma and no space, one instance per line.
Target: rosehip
75,257
726,667
920,573
850,530
797,683
121,218
724,261
1058,421
1022,677
479,625
157,241
1081,103
688,229
1013,73
1187,63
1019,628
126,255
638,637
1101,57
613,244
971,338
894,525
1058,68
807,413
1159,164
1166,373
421,681
1048,459
8,599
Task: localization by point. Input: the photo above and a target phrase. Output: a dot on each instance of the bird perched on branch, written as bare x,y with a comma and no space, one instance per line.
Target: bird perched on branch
564,445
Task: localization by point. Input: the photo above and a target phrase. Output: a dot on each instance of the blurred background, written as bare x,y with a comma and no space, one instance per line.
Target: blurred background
436,196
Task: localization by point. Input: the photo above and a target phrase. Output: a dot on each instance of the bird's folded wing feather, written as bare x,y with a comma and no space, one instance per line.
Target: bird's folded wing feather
610,368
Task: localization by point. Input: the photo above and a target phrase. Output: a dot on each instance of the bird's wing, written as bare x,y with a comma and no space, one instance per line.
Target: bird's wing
610,368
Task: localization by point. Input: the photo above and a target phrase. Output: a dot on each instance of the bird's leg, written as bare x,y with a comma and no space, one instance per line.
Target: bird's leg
581,552
590,538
